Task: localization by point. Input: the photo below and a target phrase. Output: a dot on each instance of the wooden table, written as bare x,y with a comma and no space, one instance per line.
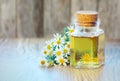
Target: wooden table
19,61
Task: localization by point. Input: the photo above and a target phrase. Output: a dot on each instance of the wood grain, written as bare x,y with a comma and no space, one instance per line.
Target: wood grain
19,61
35,18
39,17
89,4
8,18
76,5
104,12
25,27
29,18
0,20
110,19
114,19
56,15
83,5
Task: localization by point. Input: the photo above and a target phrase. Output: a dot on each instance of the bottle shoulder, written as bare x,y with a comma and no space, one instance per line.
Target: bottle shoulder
87,33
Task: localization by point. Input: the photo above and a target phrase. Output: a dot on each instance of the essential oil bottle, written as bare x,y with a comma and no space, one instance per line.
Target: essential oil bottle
87,42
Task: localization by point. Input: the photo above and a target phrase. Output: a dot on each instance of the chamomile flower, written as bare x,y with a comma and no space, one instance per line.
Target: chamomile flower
51,63
43,62
58,52
66,50
86,57
71,29
45,52
67,45
48,47
59,42
61,60
50,52
50,42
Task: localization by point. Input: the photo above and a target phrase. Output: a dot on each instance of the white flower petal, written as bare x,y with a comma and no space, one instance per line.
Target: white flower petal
57,35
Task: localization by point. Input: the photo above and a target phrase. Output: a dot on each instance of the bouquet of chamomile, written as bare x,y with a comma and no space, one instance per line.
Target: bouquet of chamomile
57,50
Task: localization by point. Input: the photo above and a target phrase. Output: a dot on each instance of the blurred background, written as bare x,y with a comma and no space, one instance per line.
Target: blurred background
41,18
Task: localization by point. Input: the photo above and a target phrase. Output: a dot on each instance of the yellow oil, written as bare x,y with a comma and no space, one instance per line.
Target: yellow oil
87,52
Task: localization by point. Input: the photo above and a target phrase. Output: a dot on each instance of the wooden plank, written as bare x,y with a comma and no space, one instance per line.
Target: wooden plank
77,5
38,17
56,15
89,4
104,15
19,61
29,18
8,18
0,20
109,12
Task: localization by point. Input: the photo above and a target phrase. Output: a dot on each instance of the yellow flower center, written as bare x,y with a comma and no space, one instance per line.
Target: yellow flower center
50,53
71,30
50,63
45,52
42,62
61,60
65,51
86,57
68,45
48,47
58,42
58,53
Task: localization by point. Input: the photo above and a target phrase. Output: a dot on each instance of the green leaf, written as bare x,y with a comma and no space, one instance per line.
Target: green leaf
50,58
66,29
53,47
55,62
53,57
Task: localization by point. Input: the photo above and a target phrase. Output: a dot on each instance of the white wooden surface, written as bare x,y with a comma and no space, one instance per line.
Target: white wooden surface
19,61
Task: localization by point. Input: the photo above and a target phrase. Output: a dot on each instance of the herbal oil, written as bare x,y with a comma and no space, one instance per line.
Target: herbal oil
87,52
87,47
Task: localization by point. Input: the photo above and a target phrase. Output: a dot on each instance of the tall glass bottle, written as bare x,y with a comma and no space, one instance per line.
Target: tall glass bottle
87,42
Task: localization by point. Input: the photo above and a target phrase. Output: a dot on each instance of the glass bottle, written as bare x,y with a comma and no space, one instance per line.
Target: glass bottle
87,42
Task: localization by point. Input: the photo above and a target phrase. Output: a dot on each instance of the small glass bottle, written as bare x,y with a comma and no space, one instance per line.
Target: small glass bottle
87,42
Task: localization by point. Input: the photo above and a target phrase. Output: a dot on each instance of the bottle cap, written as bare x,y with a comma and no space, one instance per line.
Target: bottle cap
87,18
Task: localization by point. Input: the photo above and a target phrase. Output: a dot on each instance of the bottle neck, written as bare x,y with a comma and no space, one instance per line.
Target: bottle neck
86,28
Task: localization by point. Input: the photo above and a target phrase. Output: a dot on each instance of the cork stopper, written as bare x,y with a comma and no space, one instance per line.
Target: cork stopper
87,18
